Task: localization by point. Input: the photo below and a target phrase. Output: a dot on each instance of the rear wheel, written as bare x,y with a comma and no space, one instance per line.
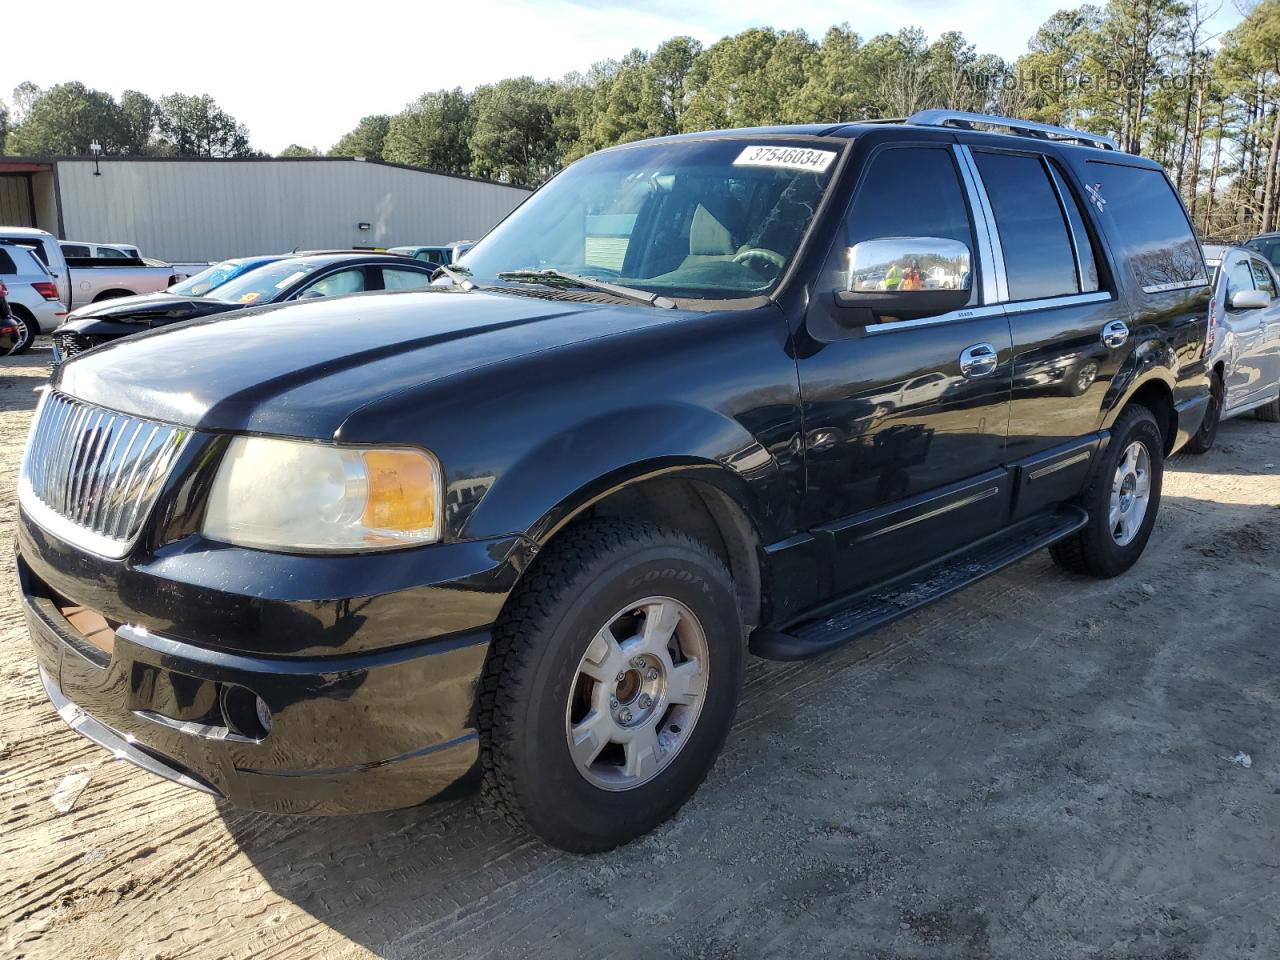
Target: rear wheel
1269,411
611,685
26,329
1123,500
1203,440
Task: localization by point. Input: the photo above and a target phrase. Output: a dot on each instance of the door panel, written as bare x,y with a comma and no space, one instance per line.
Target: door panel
1070,333
895,432
904,452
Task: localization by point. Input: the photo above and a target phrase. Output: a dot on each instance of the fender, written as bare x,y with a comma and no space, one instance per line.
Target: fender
100,326
578,466
1152,359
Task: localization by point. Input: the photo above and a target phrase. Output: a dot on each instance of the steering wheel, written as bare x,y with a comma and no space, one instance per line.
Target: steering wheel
760,253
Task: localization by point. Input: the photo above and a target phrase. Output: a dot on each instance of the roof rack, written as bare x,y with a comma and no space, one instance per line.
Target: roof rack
1021,128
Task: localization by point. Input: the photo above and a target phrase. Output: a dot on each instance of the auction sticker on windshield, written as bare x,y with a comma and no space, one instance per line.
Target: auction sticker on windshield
793,158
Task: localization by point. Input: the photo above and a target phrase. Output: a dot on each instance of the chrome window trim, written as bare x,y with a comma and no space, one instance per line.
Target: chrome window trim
1066,300
982,226
1060,190
967,313
1203,281
988,215
993,310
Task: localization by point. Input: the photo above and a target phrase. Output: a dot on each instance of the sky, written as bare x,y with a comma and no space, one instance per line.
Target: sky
307,72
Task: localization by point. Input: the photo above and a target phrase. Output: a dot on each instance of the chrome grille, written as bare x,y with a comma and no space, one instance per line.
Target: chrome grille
91,475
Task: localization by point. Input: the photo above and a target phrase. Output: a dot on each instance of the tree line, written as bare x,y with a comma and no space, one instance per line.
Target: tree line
1148,72
66,119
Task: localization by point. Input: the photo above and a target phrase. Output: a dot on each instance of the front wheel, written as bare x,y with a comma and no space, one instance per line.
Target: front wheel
1203,440
1122,500
26,325
611,684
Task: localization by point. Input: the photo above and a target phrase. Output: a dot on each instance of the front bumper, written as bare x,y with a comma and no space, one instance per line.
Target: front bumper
368,730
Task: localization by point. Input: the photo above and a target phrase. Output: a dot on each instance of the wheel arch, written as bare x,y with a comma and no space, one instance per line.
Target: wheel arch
1156,393
623,465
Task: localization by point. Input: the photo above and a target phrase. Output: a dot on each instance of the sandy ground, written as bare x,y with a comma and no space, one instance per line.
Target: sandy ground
1041,766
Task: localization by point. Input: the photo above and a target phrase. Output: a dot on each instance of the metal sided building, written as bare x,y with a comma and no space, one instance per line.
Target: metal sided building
193,209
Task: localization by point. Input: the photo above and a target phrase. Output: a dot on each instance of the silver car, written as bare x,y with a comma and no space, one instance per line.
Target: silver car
1244,345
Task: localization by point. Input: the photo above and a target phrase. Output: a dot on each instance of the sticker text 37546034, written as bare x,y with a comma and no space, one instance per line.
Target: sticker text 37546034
794,158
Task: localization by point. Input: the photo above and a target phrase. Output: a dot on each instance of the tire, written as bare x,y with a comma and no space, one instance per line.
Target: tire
536,696
28,324
1096,550
1269,412
1204,438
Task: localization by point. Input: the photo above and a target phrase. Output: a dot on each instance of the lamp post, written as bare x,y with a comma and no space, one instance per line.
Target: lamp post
96,149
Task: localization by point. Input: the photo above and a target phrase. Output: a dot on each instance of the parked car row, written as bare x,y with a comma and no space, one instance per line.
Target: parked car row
34,299
1244,338
235,285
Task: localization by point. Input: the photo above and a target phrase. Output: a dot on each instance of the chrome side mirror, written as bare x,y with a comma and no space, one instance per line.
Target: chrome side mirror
903,277
1250,300
909,265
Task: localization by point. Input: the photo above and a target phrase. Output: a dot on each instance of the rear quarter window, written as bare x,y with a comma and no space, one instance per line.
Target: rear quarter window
1149,224
7,266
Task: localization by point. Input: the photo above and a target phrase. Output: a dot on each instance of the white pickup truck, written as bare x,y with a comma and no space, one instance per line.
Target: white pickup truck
87,280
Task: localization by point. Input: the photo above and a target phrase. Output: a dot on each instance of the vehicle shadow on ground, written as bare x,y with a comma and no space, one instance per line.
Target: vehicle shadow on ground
20,375
883,798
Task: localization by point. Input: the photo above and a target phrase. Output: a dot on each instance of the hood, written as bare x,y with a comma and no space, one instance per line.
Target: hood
153,309
301,369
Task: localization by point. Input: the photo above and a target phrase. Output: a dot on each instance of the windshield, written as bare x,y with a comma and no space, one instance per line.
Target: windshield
204,281
263,284
713,219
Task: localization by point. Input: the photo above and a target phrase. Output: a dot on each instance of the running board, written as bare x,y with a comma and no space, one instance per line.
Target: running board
874,608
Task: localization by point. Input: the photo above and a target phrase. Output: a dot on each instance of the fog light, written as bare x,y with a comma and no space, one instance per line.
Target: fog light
245,713
264,714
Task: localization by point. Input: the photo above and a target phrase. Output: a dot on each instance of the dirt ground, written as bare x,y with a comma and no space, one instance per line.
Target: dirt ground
1041,766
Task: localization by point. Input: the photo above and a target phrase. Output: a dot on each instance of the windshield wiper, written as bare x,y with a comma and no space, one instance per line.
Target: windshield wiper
552,278
458,278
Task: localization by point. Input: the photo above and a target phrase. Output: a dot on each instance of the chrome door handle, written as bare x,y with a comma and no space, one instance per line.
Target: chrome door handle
978,360
1115,334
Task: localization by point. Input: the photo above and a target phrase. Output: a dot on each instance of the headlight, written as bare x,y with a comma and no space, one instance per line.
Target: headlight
294,496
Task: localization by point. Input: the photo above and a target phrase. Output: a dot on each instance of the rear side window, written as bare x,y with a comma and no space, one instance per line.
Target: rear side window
1148,220
35,246
6,263
1039,258
74,250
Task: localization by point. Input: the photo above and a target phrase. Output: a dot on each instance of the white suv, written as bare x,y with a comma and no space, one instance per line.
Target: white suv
33,293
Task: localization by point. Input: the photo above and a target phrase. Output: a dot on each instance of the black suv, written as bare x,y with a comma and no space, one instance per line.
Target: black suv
757,390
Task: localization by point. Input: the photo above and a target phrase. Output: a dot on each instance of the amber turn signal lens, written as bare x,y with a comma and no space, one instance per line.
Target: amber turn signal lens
402,491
